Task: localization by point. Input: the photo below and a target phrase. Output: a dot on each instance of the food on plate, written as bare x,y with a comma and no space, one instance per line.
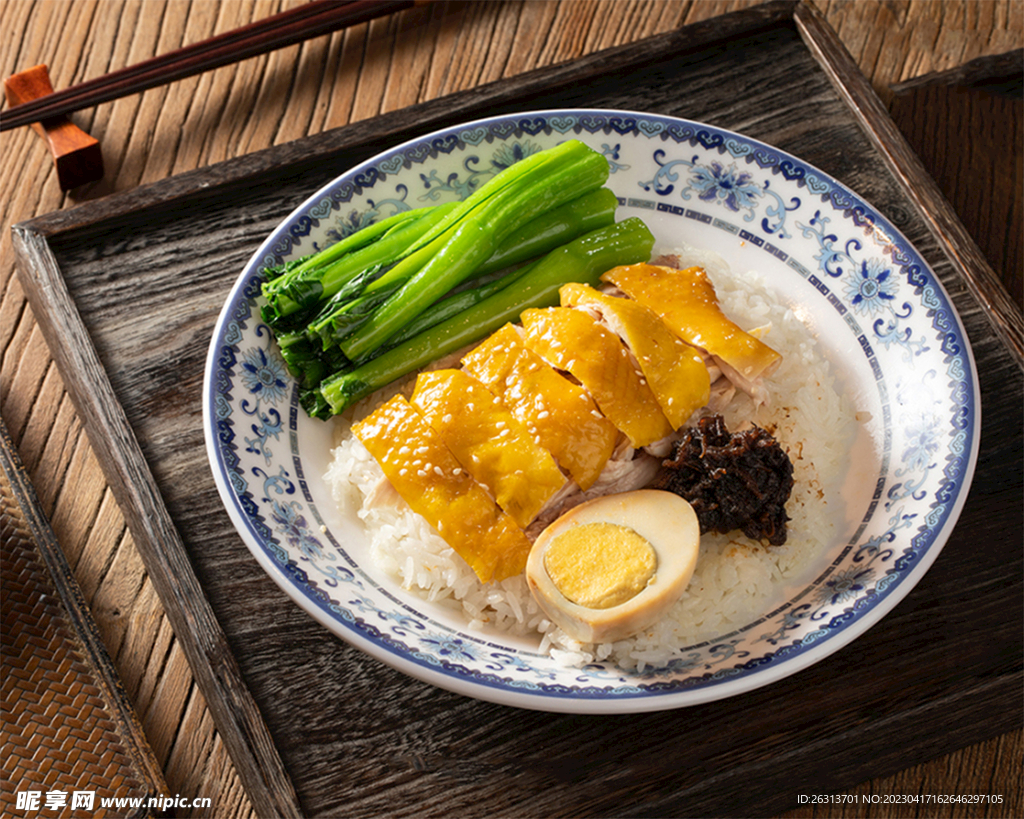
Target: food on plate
564,417
686,300
492,445
740,480
615,565
423,471
547,404
735,577
573,341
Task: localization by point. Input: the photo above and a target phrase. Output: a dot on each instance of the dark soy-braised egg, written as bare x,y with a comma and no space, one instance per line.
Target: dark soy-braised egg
613,566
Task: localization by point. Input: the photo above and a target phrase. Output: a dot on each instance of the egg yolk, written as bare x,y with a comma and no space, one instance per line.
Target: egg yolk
600,565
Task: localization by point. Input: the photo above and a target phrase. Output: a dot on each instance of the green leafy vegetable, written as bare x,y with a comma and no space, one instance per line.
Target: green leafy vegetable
460,243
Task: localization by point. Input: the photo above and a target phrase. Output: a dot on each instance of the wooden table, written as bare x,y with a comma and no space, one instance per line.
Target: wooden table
391,63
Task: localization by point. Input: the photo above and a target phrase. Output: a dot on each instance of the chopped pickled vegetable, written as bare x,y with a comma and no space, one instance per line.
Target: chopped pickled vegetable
435,485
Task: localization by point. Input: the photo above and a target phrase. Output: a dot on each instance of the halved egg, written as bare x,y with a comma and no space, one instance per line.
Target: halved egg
613,566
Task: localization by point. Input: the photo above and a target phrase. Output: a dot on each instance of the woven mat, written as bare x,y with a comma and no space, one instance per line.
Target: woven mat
69,738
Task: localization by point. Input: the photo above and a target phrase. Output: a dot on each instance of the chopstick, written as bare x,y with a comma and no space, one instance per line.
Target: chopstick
277,31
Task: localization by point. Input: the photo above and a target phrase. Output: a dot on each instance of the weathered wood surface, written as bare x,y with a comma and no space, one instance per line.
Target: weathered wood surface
351,77
59,663
983,99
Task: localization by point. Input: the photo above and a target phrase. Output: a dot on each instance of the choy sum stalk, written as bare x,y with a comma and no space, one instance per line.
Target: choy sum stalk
458,245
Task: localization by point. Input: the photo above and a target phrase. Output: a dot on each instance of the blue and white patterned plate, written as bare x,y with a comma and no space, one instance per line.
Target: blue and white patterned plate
875,307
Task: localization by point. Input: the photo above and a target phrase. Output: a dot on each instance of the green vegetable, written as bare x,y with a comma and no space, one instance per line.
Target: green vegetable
447,308
337,321
271,274
582,260
303,286
354,303
460,243
551,229
309,364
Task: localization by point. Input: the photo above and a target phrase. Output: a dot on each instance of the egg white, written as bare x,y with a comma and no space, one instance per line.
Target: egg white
664,520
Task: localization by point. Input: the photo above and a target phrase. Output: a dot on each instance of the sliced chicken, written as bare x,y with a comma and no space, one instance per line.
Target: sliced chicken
573,341
635,469
563,416
674,370
436,486
489,442
687,302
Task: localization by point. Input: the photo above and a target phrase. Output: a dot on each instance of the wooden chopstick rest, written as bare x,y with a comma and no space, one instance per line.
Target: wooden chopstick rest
77,155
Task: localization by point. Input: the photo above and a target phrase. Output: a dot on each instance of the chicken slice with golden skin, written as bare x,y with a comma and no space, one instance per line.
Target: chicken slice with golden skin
489,442
573,341
563,416
430,478
674,369
686,301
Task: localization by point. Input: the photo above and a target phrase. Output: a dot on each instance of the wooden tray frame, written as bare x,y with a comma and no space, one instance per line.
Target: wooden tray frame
81,665
236,714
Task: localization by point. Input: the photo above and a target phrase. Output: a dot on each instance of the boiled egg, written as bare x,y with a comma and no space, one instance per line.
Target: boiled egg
613,566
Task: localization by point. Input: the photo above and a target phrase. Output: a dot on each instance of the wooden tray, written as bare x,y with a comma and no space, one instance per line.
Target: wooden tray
68,725
127,290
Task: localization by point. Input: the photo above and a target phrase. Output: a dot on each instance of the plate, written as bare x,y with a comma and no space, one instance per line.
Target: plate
876,310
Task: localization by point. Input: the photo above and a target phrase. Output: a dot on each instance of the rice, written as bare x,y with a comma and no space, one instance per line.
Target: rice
736,579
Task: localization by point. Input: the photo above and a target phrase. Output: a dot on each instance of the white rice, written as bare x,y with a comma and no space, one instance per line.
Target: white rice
736,579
